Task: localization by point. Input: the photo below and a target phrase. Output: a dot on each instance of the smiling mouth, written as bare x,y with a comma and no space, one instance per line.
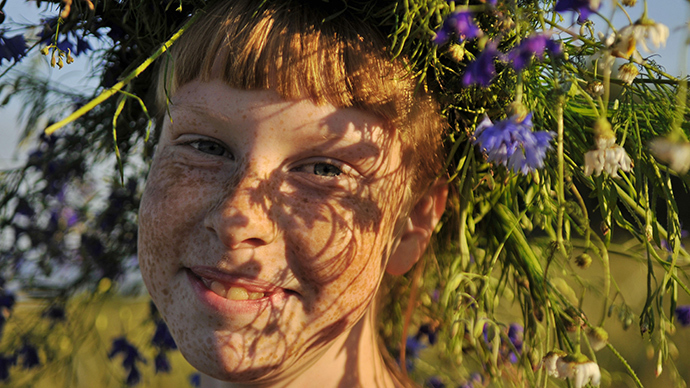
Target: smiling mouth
231,292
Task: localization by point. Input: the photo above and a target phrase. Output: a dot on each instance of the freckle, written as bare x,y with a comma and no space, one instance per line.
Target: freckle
244,117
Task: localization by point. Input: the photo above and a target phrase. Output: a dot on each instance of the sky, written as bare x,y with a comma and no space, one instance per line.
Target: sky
674,13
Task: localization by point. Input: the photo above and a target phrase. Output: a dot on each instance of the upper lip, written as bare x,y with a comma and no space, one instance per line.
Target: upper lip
249,283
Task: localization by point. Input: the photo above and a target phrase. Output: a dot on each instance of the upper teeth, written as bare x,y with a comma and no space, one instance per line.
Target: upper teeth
232,292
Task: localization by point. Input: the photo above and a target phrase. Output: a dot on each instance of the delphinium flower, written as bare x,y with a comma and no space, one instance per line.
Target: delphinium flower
531,47
583,7
627,73
672,150
459,23
512,142
683,315
608,156
12,47
482,70
515,335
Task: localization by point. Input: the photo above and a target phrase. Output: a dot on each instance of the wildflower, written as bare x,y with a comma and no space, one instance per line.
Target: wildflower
133,377
674,152
162,337
195,380
583,7
5,363
482,71
627,73
598,338
515,335
683,315
12,48
512,143
435,382
608,156
639,32
533,46
551,364
161,363
29,356
577,367
583,261
130,356
459,23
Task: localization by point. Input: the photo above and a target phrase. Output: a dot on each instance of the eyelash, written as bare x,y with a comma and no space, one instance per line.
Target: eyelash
196,145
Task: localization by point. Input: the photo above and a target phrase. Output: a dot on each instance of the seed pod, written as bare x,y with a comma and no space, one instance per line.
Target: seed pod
583,261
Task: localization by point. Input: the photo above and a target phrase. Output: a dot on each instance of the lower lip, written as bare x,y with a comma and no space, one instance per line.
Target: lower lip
229,306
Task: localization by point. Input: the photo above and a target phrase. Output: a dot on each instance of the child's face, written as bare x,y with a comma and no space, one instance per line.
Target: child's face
265,226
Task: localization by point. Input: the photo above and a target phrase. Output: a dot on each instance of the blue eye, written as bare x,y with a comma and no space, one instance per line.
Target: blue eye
210,147
325,169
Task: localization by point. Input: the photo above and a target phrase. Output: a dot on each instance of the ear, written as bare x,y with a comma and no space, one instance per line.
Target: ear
418,229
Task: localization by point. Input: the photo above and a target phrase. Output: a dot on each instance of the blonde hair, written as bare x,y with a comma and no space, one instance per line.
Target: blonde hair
301,52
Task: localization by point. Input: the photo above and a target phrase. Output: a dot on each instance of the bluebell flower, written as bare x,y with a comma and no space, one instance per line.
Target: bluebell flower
162,337
583,7
530,47
459,23
5,363
512,143
29,356
161,363
12,48
683,315
482,70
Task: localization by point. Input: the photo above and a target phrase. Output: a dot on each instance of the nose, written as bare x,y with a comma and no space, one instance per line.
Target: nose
241,217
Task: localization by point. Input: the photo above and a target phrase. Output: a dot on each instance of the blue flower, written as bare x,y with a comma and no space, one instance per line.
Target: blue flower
533,46
29,356
133,377
683,315
512,143
161,363
12,48
426,331
461,24
162,338
515,335
130,357
583,7
482,71
195,380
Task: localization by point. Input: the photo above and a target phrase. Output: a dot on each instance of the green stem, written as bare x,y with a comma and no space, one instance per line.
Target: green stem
627,366
106,94
561,176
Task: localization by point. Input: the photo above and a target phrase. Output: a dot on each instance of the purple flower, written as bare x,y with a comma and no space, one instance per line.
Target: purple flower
12,48
683,315
515,335
533,46
161,363
162,338
435,382
460,23
133,377
29,356
5,363
482,71
583,7
129,353
195,380
512,143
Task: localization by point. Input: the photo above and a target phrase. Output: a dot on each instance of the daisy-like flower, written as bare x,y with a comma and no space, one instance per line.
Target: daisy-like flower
683,315
512,143
459,23
583,7
627,73
643,30
674,152
608,156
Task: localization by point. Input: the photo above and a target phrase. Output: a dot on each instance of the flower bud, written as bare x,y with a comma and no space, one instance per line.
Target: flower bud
457,52
583,261
595,88
598,338
45,50
628,72
629,3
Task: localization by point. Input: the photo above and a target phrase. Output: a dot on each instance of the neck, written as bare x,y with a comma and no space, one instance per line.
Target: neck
352,360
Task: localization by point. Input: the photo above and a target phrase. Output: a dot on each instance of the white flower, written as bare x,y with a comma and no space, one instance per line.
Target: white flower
598,338
608,156
675,153
577,367
628,37
628,72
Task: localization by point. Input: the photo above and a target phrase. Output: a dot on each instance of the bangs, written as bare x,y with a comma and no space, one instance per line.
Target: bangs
296,51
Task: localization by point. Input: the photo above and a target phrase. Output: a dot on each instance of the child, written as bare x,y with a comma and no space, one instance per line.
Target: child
298,164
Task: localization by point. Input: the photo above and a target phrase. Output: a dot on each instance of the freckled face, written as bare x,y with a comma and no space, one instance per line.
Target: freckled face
265,226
